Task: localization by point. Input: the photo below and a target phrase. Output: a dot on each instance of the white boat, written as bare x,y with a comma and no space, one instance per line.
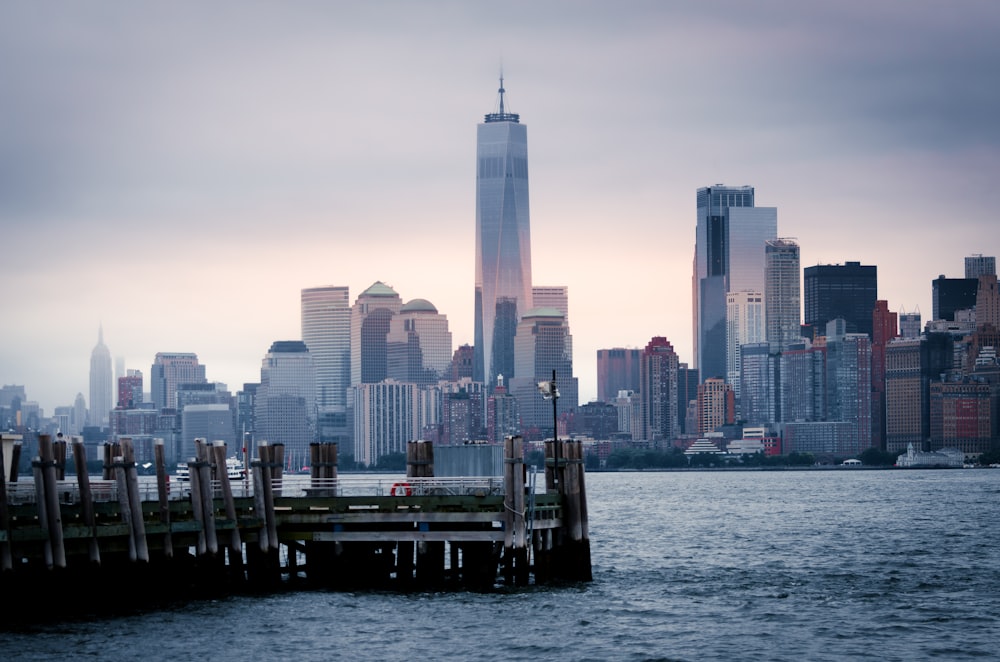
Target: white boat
234,469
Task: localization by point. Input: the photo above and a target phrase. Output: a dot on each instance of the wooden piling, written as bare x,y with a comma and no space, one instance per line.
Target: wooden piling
277,467
163,495
86,499
118,466
267,460
59,452
135,500
51,492
235,544
15,460
204,468
41,505
6,559
197,508
515,549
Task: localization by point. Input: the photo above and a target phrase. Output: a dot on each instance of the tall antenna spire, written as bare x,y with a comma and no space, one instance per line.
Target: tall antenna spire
502,115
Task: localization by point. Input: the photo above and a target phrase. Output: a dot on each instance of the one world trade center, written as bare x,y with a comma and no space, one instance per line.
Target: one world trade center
503,241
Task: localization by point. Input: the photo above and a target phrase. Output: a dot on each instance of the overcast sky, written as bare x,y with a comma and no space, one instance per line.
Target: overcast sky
179,171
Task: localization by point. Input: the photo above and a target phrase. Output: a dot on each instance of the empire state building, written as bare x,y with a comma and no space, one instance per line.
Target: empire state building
503,241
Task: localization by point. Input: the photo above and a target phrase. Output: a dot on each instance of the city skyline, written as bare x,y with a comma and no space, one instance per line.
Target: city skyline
252,162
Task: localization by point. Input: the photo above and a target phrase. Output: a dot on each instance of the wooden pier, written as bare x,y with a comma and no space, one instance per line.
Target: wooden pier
118,540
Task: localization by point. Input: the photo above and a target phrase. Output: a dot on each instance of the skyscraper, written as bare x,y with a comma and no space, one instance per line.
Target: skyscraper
782,293
503,241
285,401
846,290
100,382
658,391
326,331
744,325
418,344
980,265
729,257
949,295
618,369
884,329
169,370
370,318
541,346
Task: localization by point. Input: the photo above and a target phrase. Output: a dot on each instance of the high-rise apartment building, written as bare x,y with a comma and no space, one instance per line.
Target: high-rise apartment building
326,331
418,344
386,416
542,345
503,241
371,317
980,265
988,303
782,293
910,366
100,383
729,257
744,325
618,369
846,291
848,389
802,384
658,391
169,370
757,401
130,389
285,400
716,405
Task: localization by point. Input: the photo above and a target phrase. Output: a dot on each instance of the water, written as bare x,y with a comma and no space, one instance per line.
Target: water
826,565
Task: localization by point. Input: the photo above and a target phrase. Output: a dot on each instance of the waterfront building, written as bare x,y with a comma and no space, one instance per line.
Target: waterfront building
848,388
100,383
963,415
169,370
944,458
884,329
847,291
418,344
716,405
802,383
386,416
687,392
503,241
980,265
542,345
730,240
326,331
285,401
618,369
658,391
952,294
744,326
371,317
628,406
910,366
817,437
782,293
757,404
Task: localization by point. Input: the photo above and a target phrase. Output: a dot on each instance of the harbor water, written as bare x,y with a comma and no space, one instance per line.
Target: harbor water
772,565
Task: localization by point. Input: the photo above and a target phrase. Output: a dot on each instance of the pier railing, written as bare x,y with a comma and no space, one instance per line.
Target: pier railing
24,491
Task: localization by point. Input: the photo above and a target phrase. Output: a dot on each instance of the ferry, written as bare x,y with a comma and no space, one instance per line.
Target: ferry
234,469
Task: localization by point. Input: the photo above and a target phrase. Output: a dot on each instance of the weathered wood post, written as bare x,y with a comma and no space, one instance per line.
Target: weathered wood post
86,498
59,451
51,495
515,548
6,559
277,467
235,544
267,458
118,466
135,500
163,495
15,461
204,468
576,554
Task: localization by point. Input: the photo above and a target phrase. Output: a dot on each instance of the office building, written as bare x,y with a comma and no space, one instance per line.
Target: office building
729,257
618,369
884,329
744,325
782,293
910,366
169,370
418,344
326,331
909,324
802,383
988,303
846,291
963,415
101,386
542,345
980,265
503,241
130,390
386,416
849,389
285,401
757,402
371,316
950,295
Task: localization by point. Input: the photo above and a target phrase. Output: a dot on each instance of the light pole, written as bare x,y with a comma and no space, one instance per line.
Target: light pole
550,392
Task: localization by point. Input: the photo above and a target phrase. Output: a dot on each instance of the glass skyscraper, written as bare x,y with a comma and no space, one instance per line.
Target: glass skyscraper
326,331
729,257
503,241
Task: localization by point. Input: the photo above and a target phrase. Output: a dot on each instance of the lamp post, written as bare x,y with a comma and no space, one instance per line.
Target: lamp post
550,392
